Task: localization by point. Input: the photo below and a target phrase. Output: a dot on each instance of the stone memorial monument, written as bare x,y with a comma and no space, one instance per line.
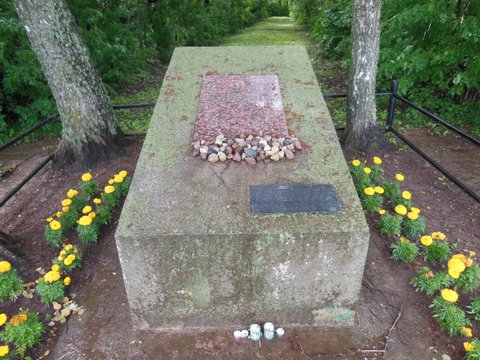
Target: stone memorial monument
221,244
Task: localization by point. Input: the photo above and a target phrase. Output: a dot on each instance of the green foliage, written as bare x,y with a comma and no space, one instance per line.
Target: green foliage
430,283
68,220
469,279
401,201
24,335
11,284
111,200
390,225
475,353
53,237
377,173
392,189
438,251
449,316
404,251
371,203
50,292
474,308
88,234
89,188
414,228
104,214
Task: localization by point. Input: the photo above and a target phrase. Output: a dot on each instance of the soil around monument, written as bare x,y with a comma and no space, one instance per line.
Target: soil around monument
104,329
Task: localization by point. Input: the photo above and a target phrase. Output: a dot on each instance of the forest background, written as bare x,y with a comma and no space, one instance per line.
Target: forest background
431,46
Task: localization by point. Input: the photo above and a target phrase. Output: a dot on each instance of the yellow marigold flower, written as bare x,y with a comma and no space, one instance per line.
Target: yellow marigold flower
459,257
356,163
412,216
109,189
369,191
5,266
97,201
367,170
67,281
472,253
86,209
111,181
51,276
66,202
85,220
92,215
415,210
65,209
59,214
456,264
68,247
381,211
4,350
468,262
18,319
55,225
406,195
61,257
72,193
124,173
449,295
400,209
403,239
69,260
399,177
55,267
3,319
377,160
426,240
468,346
379,189
86,177
437,235
467,331
117,178
453,273
49,219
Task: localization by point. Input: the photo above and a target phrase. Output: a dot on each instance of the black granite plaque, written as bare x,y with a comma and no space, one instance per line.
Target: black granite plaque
282,199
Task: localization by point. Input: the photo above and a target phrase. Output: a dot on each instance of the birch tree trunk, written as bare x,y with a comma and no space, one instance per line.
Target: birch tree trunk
90,130
361,111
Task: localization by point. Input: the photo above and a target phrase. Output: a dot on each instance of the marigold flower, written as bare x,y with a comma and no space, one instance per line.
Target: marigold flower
382,211
49,219
72,193
468,346
86,177
4,350
467,331
111,181
66,202
399,177
18,319
55,267
426,240
453,273
67,281
109,189
51,276
69,260
356,163
472,253
412,216
59,214
61,257
92,215
456,264
117,178
415,210
5,266
55,225
437,235
400,209
367,170
3,319
86,209
377,160
369,191
449,295
403,239
68,247
97,201
85,220
468,262
65,209
124,173
379,189
406,195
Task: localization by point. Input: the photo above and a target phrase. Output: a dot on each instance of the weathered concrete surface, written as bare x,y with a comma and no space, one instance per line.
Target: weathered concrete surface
192,254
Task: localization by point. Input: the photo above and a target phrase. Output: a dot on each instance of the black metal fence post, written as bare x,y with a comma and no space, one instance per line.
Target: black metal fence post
391,106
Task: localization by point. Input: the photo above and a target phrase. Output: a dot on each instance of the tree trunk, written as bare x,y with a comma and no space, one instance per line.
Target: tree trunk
361,111
90,130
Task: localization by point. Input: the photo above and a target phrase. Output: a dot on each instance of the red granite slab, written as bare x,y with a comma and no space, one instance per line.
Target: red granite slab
239,105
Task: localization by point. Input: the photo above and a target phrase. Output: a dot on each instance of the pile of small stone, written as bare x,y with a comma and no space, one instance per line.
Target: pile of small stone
250,149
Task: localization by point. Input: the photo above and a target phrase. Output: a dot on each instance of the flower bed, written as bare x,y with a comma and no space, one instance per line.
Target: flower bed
441,276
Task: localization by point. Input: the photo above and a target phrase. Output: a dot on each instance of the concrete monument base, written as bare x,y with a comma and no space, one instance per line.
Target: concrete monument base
193,254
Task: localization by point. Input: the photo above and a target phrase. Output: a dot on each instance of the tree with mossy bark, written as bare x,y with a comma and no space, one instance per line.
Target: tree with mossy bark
90,130
362,127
